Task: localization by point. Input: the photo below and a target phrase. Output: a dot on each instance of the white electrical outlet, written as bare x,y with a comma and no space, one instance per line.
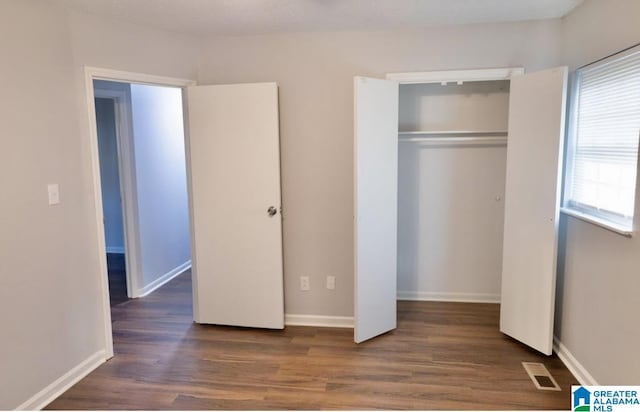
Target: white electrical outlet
304,283
331,282
53,191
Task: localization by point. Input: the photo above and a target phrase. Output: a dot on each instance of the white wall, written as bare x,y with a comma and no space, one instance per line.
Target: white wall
449,222
161,180
597,303
315,76
50,298
109,175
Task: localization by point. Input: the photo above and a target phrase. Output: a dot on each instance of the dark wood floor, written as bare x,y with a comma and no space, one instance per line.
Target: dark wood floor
441,356
116,269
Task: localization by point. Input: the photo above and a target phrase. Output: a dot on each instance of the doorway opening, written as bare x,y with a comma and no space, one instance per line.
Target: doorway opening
143,178
107,127
140,185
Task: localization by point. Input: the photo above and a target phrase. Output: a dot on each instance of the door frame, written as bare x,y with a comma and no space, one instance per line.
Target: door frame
453,76
129,219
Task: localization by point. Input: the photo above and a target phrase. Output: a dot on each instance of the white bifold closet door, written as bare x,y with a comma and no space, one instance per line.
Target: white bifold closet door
234,152
376,203
532,200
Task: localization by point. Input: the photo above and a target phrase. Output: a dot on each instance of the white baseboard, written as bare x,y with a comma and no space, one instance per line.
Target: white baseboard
60,385
580,372
115,249
318,320
449,297
163,279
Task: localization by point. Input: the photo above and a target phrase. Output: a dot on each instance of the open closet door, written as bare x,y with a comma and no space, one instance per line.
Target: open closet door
376,202
234,153
532,200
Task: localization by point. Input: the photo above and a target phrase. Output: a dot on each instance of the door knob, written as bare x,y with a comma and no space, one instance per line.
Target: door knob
272,211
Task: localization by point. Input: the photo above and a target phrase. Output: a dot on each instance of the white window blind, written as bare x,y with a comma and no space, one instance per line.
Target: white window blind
605,134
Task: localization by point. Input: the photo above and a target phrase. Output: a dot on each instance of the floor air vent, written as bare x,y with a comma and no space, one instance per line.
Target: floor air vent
540,376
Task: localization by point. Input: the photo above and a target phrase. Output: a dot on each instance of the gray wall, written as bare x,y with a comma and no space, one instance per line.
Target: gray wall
315,73
109,175
597,305
47,253
50,285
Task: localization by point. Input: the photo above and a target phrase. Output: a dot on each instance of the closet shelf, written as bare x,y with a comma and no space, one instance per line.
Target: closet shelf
455,141
455,137
460,133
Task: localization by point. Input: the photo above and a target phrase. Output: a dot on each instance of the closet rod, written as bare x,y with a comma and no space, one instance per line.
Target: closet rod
461,133
446,141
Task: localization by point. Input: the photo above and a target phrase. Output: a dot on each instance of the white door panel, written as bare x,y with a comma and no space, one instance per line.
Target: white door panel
235,177
376,200
532,200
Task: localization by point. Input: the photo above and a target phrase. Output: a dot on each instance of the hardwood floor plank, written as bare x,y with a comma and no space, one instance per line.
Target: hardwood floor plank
441,356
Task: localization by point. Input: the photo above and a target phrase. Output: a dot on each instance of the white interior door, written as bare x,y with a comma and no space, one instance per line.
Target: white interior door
234,154
376,202
532,200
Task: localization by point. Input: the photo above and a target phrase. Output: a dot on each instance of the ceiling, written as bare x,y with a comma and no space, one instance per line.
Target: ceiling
247,17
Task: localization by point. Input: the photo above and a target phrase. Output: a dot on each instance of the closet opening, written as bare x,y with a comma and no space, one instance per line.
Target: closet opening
452,150
457,195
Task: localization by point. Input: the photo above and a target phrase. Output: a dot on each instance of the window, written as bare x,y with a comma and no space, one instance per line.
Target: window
604,133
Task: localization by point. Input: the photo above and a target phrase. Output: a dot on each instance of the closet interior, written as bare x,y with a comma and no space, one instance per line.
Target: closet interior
452,153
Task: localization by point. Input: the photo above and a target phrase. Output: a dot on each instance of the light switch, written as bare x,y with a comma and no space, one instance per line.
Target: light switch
331,282
54,193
